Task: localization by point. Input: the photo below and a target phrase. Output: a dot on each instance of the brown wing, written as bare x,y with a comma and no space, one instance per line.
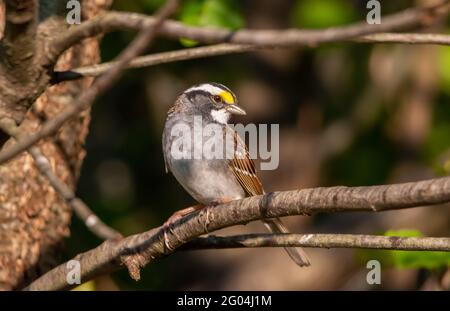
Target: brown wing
244,168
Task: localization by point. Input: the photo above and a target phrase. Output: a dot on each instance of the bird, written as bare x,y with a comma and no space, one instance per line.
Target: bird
209,180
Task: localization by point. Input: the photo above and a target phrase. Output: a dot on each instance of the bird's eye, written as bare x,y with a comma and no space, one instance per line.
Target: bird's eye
217,98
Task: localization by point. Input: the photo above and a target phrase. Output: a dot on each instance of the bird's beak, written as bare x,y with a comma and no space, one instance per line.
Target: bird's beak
234,109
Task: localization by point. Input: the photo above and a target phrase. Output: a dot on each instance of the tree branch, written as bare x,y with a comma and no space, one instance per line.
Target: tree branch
158,58
226,48
136,47
320,241
112,21
138,250
407,38
92,221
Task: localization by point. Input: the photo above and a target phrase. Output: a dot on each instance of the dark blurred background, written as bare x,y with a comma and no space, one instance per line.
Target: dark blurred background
349,114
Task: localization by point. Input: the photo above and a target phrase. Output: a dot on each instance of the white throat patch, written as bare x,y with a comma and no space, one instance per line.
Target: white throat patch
221,116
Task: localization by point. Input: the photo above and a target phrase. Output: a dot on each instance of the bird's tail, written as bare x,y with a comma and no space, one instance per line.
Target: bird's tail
297,254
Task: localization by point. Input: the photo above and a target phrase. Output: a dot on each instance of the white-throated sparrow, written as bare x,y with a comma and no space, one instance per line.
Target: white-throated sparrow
208,179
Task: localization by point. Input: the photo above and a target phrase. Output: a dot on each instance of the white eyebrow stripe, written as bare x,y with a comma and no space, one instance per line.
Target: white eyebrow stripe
213,90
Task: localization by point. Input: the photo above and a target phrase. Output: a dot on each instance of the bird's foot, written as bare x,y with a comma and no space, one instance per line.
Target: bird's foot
206,223
167,226
207,208
167,245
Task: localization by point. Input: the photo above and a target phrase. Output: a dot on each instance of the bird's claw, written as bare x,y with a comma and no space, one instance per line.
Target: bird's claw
167,227
206,223
166,238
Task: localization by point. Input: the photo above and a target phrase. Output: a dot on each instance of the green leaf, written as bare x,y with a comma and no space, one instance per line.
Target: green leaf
322,13
408,259
210,13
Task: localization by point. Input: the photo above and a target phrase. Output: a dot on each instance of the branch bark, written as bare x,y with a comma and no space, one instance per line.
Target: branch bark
320,241
18,46
406,38
138,250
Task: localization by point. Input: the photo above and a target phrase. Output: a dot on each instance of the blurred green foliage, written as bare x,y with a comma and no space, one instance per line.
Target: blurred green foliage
407,259
322,13
212,13
444,65
438,140
85,287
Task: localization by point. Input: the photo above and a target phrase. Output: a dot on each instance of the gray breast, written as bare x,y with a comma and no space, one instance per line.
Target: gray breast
205,180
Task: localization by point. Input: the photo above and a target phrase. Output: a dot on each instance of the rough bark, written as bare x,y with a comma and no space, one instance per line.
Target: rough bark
33,219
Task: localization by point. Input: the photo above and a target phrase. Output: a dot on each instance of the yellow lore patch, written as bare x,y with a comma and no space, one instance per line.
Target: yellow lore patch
227,97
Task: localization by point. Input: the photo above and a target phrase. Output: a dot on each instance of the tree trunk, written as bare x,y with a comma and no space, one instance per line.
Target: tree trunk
34,221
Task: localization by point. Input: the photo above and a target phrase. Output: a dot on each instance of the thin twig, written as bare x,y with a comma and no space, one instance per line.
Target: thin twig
158,58
90,219
320,241
138,250
226,48
406,38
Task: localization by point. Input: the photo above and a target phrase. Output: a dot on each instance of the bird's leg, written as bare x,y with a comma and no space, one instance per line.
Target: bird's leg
183,212
186,211
176,216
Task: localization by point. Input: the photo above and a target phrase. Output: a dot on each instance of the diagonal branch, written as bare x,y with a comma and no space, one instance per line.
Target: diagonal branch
92,221
158,58
332,240
138,250
112,21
